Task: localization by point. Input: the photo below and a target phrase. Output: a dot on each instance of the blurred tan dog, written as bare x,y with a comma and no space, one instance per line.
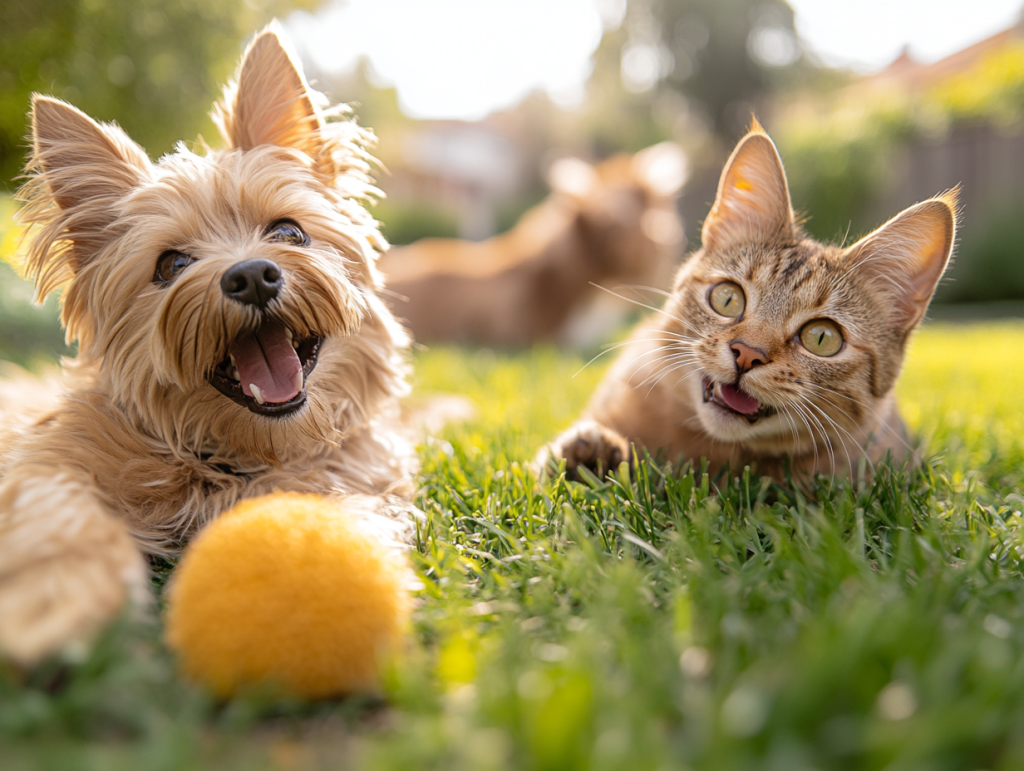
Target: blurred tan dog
610,224
231,343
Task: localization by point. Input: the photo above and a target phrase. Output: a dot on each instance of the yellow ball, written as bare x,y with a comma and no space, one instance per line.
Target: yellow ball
290,591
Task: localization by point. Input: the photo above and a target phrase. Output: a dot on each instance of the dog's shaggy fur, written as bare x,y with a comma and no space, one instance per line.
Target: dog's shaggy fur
152,435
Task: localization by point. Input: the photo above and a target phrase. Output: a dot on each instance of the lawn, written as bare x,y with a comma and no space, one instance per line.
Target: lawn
668,621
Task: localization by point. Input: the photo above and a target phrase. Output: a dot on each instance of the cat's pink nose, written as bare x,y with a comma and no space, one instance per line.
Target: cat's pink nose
746,357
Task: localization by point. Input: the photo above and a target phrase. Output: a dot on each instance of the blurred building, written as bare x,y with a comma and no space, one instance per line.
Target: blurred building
467,168
985,157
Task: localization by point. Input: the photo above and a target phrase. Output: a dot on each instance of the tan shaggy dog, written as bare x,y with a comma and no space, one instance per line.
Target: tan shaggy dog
231,343
610,224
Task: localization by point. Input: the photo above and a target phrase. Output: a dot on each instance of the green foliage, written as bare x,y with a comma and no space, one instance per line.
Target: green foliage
29,334
840,160
990,256
992,91
839,164
668,620
154,66
404,222
702,64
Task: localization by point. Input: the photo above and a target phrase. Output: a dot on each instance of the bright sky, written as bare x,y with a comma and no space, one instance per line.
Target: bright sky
466,58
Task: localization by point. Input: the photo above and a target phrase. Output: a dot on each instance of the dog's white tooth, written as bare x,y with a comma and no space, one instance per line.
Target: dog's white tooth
236,374
288,334
234,364
295,344
298,381
256,393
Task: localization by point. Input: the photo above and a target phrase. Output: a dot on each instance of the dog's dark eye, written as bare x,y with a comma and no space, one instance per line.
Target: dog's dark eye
287,232
170,264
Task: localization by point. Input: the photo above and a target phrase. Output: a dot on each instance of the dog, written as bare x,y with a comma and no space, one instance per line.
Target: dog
610,224
231,338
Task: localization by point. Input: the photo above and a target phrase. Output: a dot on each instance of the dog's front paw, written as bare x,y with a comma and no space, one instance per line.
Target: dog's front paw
586,444
61,601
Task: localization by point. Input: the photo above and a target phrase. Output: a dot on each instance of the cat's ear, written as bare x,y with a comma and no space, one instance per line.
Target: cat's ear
905,258
83,168
753,198
269,102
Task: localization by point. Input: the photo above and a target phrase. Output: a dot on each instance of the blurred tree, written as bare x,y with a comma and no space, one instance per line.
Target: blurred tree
706,63
154,66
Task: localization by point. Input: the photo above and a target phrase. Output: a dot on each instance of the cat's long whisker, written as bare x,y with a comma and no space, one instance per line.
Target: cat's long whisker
616,346
658,375
883,425
685,323
673,349
835,425
810,430
664,356
688,375
824,397
677,366
841,429
824,436
792,424
880,423
643,288
668,362
838,427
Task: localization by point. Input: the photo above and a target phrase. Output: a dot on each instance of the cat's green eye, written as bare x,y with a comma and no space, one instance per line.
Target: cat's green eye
728,299
821,337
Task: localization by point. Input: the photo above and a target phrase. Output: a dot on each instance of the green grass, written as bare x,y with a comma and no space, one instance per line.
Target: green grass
669,621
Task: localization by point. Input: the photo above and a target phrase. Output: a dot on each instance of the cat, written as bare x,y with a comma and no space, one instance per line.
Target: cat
771,348
611,223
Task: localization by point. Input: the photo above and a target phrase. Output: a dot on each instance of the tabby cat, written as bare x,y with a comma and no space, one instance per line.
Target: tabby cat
771,345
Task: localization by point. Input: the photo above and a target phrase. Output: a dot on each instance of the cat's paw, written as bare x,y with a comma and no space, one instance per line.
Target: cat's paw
586,444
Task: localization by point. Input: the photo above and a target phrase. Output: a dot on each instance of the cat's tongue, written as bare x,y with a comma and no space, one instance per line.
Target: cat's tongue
742,402
267,360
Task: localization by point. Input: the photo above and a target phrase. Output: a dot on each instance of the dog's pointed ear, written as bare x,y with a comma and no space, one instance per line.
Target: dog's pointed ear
81,160
906,257
753,196
269,102
78,171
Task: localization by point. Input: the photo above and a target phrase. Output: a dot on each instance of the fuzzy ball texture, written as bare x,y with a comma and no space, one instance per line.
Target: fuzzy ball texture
294,591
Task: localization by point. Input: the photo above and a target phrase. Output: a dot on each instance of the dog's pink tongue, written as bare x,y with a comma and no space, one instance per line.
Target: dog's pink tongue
741,402
267,360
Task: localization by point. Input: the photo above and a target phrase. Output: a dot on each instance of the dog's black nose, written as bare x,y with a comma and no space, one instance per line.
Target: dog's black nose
253,282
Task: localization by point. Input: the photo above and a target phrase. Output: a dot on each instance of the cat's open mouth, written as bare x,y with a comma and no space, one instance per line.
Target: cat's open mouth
266,370
734,399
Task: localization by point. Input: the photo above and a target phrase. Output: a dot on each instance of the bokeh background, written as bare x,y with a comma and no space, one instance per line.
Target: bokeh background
874,105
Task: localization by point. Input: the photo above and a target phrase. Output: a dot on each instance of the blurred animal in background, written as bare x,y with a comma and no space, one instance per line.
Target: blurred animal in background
610,224
231,343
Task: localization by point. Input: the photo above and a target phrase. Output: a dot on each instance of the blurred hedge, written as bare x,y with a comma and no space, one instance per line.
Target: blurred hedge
29,334
841,158
154,66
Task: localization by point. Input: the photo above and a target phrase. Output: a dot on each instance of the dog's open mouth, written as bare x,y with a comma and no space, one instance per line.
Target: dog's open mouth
266,370
734,399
